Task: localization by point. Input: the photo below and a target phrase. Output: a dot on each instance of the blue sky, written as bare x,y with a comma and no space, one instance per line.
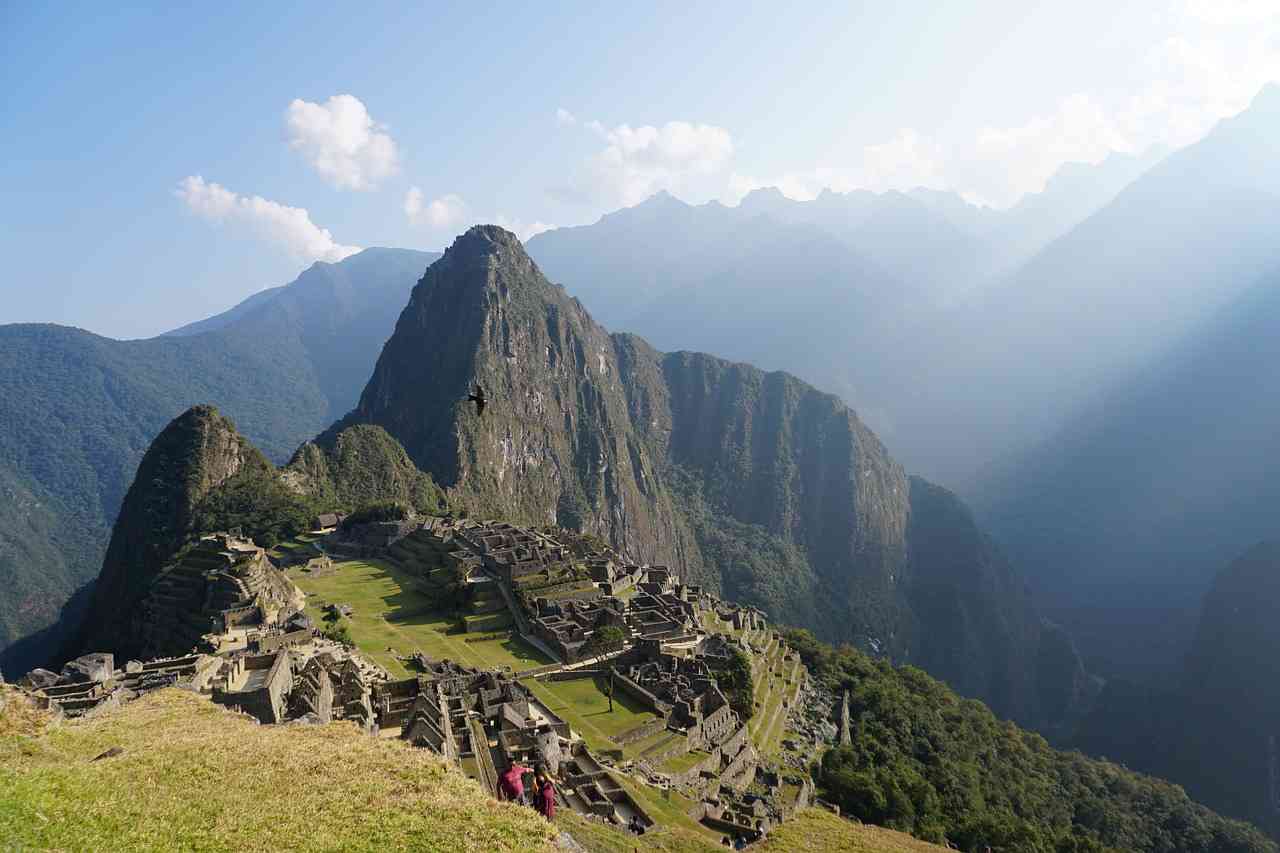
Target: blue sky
539,114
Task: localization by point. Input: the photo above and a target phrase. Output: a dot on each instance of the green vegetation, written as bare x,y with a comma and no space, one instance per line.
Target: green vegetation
927,762
259,505
362,466
819,831
684,762
737,683
583,703
607,639
338,630
393,609
375,512
754,565
216,781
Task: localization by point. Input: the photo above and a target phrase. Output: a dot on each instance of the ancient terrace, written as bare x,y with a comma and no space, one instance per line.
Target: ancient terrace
673,728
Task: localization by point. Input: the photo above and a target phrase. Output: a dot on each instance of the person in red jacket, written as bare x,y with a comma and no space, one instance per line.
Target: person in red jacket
544,797
511,783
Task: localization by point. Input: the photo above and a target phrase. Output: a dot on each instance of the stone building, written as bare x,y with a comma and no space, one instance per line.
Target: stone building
258,685
221,584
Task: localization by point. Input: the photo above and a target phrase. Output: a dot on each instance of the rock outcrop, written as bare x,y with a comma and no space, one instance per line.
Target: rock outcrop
197,452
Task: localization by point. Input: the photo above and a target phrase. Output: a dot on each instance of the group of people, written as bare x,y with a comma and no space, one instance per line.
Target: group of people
542,797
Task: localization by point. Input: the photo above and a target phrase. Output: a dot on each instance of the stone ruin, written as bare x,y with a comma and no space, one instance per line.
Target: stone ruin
221,584
92,682
226,597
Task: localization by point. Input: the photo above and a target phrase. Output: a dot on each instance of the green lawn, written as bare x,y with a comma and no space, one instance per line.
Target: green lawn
683,763
664,738
391,609
584,706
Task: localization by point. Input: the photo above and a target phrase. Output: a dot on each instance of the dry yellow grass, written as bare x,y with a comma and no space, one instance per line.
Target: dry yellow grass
19,715
819,831
193,776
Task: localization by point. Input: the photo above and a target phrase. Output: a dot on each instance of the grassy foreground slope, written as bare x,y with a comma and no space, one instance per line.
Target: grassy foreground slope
811,831
194,776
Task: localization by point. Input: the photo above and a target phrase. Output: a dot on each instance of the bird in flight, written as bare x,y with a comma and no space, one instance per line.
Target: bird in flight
477,397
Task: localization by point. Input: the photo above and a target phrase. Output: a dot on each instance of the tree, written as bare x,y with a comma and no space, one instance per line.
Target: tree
605,639
738,684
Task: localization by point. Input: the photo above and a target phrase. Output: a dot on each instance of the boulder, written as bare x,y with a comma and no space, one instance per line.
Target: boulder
38,679
95,666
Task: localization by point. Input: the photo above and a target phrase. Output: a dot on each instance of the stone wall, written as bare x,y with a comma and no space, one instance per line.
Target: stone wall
266,702
641,732
644,697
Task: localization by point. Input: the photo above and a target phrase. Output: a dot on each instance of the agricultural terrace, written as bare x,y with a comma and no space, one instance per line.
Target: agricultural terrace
393,609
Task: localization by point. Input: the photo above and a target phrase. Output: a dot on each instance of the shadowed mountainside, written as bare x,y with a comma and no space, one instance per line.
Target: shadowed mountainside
1215,733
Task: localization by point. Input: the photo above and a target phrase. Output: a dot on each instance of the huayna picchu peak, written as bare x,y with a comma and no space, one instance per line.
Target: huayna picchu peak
753,483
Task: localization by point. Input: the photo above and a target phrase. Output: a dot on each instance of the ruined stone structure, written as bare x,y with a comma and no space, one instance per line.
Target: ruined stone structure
91,682
559,593
750,814
313,693
258,685
220,584
846,739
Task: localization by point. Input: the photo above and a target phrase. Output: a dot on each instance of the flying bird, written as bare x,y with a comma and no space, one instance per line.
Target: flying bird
477,397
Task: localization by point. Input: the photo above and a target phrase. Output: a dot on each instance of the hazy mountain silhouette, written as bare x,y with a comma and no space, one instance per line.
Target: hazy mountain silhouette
854,292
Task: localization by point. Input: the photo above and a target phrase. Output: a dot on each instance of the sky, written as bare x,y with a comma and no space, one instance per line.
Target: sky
160,165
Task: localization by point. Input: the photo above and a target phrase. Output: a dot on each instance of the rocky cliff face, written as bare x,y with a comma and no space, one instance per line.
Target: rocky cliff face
682,458
197,452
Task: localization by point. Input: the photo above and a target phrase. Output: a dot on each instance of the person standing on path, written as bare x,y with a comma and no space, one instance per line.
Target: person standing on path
544,798
511,783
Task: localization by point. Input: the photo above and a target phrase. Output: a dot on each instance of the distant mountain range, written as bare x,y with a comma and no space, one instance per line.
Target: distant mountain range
77,411
1090,367
848,291
1148,402
1151,487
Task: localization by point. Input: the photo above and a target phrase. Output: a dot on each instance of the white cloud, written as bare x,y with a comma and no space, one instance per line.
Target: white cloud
523,230
565,118
907,160
638,161
447,211
342,141
1208,61
1214,57
290,227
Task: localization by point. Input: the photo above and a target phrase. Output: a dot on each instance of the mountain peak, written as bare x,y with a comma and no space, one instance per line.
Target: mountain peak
1268,97
484,240
763,199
